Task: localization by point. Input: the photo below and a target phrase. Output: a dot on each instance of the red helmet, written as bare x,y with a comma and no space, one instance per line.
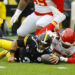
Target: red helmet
68,36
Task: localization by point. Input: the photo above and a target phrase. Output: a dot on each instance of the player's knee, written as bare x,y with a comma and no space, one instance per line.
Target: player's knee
38,26
21,33
45,58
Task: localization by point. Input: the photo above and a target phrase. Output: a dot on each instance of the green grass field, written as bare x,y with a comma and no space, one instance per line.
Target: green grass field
35,68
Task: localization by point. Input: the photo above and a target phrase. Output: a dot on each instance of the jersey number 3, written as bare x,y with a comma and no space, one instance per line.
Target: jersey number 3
41,2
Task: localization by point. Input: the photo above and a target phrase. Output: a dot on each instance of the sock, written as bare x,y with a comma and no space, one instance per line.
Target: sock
3,53
8,55
37,31
50,27
57,30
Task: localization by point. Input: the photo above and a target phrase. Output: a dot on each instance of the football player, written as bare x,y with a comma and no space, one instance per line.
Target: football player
3,13
34,48
47,12
64,47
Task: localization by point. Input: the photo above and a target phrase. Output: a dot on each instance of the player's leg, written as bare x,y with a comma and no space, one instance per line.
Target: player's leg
3,53
45,20
57,18
28,25
5,43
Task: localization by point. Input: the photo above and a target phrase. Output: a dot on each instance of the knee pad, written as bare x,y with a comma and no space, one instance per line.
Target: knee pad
21,33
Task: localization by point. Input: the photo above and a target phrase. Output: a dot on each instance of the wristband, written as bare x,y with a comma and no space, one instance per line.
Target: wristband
12,51
18,12
63,59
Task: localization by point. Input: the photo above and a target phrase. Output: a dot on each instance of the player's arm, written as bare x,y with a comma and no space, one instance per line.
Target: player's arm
21,6
49,59
71,60
15,45
68,60
13,49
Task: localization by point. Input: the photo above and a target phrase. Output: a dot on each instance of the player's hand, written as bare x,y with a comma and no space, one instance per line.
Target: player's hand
53,59
12,59
13,19
68,53
15,16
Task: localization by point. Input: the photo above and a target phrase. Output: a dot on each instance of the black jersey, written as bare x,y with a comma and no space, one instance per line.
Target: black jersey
29,51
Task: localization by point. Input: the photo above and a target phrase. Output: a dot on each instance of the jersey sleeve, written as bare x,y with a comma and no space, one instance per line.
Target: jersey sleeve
20,43
71,60
25,41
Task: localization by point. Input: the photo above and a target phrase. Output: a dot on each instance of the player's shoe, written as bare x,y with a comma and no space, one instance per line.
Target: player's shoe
3,53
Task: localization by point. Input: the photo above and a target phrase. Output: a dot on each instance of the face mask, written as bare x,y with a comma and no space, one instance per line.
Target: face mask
41,48
40,51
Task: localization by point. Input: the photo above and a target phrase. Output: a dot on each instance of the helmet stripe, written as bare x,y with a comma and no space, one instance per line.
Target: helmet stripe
45,37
